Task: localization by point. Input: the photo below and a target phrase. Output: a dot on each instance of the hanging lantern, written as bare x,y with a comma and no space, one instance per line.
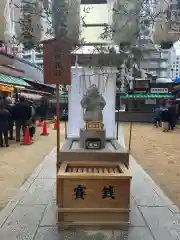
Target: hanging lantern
126,21
5,21
28,22
167,26
98,24
66,19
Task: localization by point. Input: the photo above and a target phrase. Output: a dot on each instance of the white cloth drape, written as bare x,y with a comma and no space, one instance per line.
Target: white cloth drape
75,120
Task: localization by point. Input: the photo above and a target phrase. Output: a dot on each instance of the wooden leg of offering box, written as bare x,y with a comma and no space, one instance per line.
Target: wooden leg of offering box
93,194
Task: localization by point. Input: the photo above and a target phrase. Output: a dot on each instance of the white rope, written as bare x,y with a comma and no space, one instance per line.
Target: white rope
86,80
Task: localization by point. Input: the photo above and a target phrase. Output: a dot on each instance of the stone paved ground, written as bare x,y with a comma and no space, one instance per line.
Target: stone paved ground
31,214
18,162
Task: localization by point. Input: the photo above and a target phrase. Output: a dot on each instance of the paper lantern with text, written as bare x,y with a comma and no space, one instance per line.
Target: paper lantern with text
125,21
66,19
167,26
5,21
28,22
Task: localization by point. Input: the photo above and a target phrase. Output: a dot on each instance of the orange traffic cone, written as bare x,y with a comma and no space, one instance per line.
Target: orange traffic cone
39,123
55,124
27,139
44,130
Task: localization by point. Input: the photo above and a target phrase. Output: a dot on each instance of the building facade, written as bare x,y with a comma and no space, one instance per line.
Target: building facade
156,62
33,56
175,64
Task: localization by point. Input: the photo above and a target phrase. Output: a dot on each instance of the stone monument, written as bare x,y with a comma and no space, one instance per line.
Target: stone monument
93,135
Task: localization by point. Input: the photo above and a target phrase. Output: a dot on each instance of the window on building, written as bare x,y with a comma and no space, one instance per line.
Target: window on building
39,57
177,59
40,54
27,57
40,65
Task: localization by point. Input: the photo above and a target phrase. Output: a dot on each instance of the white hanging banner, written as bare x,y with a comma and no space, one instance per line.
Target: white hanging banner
75,114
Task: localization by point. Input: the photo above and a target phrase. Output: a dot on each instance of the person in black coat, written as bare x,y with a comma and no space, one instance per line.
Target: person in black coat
10,107
157,117
42,110
164,117
4,117
172,116
22,113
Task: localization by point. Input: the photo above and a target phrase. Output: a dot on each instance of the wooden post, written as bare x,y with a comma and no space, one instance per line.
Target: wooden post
117,119
58,125
65,119
117,130
130,135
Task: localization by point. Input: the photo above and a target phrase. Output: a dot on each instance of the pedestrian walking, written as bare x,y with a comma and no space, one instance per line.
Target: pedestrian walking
4,117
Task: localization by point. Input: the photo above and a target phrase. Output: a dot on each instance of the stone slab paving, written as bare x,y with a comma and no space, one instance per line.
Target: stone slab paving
31,214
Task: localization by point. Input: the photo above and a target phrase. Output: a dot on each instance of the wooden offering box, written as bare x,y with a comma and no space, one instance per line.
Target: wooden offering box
93,194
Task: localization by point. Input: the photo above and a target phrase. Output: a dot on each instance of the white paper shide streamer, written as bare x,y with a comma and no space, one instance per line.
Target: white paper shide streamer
5,21
167,25
28,22
66,19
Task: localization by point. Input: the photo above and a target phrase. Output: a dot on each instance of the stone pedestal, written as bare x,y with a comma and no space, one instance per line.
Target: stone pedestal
89,135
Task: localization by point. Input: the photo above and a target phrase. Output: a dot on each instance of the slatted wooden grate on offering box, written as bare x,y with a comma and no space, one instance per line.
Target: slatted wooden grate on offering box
93,194
93,170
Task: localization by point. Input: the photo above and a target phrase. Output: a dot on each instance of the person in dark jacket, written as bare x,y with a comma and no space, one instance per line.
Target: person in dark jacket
10,108
164,117
157,117
172,116
32,120
4,117
42,110
22,113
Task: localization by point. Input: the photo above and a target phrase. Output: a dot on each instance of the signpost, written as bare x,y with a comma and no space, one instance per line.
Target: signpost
57,70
